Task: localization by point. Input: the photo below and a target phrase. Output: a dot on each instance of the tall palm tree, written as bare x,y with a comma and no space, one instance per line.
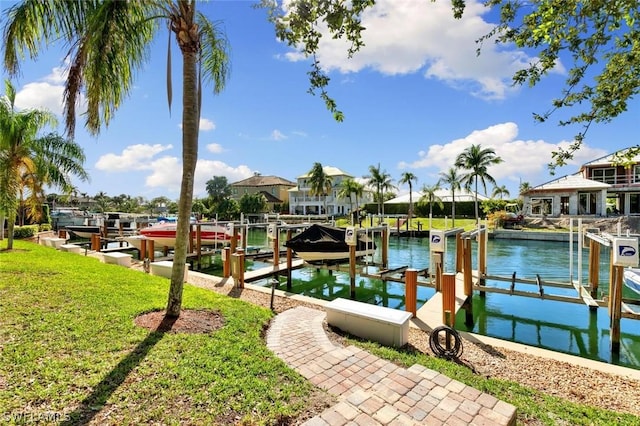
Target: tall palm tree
320,182
380,181
409,178
524,187
28,161
451,179
477,160
109,42
500,192
429,196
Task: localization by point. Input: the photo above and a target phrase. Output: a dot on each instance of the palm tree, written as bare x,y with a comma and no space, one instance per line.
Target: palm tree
320,183
28,162
409,178
477,160
429,196
524,187
380,181
500,192
108,43
451,179
348,189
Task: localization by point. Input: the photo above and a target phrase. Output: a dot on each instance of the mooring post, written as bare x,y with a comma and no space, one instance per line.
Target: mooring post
143,249
385,247
226,262
289,260
352,270
411,290
152,251
594,269
448,299
468,271
616,308
459,253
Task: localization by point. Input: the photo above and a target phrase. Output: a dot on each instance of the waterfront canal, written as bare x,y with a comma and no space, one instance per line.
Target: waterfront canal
560,326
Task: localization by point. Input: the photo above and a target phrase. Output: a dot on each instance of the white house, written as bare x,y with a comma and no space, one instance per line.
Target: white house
302,202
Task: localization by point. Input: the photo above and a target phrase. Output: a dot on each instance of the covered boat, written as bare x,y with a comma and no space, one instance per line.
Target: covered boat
326,244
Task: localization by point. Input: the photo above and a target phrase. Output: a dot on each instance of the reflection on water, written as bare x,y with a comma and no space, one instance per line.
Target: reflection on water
559,326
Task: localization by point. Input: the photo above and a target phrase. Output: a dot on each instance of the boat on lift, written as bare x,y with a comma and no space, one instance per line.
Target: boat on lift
321,243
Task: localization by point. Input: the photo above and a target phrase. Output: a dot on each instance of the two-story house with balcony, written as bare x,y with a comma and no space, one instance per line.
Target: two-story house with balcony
600,188
275,189
301,200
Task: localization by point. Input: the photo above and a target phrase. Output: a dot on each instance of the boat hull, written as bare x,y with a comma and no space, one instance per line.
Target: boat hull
632,279
164,235
331,257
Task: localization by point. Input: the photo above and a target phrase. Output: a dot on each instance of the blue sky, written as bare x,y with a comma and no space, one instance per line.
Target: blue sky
414,98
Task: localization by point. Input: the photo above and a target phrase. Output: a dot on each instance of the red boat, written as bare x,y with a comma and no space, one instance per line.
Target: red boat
164,235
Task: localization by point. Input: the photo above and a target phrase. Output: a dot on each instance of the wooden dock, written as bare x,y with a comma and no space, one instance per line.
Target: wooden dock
268,271
430,314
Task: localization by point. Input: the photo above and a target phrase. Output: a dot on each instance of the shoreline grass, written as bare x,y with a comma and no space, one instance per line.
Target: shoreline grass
69,347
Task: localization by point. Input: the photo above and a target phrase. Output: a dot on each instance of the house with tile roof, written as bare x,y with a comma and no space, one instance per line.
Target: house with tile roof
302,202
601,187
275,190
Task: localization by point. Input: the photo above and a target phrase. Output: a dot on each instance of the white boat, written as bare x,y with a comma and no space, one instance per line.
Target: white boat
632,279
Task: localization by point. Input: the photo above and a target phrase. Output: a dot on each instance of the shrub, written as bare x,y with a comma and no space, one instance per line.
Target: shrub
28,231
45,227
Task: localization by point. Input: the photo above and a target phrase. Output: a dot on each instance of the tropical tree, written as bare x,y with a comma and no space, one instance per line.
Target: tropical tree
408,178
477,160
28,161
430,196
500,192
348,189
452,180
380,181
253,203
524,187
218,188
108,43
320,183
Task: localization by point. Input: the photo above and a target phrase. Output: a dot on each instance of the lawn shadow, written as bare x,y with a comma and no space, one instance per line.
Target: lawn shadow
93,404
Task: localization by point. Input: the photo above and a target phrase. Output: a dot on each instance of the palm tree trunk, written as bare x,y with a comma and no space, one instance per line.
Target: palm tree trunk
475,196
2,219
10,226
190,123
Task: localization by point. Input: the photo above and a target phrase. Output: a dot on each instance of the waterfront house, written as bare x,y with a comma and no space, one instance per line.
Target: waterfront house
302,202
275,190
601,187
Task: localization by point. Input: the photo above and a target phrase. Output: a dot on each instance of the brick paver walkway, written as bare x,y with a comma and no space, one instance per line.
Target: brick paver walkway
373,391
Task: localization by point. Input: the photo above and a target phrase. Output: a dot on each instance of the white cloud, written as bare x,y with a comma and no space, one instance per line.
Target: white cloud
47,93
206,125
215,148
133,157
277,135
408,36
165,172
524,160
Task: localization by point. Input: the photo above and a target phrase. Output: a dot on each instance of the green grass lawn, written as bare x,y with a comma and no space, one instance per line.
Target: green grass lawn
69,350
68,345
